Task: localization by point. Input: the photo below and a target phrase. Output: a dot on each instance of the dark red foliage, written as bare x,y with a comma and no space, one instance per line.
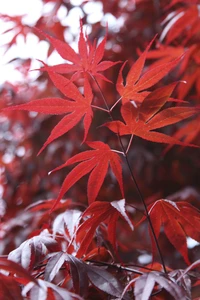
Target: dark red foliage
118,119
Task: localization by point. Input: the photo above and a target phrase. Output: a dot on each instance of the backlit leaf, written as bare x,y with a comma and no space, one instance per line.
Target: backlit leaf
98,213
136,85
178,220
77,108
142,120
88,60
33,250
95,161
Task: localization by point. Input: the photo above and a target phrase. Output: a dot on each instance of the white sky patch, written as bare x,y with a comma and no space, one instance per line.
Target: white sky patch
7,158
62,13
29,49
92,7
20,151
55,58
73,19
191,243
34,49
95,17
76,2
144,258
21,7
49,6
114,24
94,11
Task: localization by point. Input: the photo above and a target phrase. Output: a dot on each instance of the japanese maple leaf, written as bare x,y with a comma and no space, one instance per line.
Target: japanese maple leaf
95,161
33,250
187,133
145,284
48,291
182,22
9,288
141,121
189,70
192,77
77,271
15,268
18,28
100,212
89,58
136,85
77,108
82,274
178,220
68,220
165,54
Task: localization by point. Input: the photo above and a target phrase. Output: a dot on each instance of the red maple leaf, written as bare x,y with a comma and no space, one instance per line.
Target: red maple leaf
187,133
100,212
165,53
136,85
18,28
189,69
178,219
142,120
95,161
88,60
10,287
14,268
182,22
78,108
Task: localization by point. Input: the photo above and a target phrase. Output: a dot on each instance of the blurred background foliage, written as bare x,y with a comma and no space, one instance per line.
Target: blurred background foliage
171,174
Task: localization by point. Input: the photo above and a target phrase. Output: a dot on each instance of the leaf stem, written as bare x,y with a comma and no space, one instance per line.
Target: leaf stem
133,178
115,104
116,266
129,144
99,108
133,206
119,152
146,211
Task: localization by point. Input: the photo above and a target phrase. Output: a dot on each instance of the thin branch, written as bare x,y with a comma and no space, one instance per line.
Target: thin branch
39,266
102,95
42,273
129,144
115,104
120,152
100,108
145,208
119,267
134,180
142,212
142,267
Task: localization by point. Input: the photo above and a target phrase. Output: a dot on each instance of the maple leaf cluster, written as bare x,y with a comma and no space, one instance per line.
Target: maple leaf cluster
91,244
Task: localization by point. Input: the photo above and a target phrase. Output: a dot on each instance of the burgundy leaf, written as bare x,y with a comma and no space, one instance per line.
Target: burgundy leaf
145,284
104,281
95,161
32,251
14,268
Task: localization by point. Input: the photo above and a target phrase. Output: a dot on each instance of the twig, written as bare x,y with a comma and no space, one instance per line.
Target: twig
116,266
134,180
